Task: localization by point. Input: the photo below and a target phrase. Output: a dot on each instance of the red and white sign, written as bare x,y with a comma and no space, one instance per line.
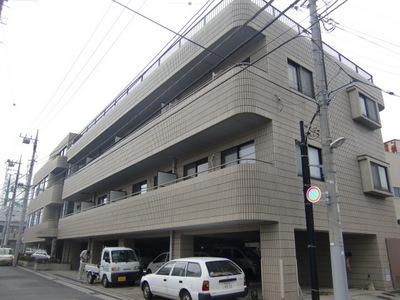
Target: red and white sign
313,194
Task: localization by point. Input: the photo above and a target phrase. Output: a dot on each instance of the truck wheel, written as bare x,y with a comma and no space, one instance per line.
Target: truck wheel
90,278
147,294
105,282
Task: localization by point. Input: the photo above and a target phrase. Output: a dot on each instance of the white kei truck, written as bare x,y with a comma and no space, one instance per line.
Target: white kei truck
117,265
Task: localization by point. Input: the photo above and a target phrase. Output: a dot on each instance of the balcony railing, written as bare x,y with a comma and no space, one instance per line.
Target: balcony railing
194,175
181,39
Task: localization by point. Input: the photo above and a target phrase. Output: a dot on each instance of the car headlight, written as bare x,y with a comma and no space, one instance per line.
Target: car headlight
113,269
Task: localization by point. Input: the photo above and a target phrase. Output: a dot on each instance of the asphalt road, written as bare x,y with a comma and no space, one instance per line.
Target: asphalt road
20,284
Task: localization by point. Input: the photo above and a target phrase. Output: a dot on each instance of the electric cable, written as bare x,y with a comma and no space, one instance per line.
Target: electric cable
221,83
284,87
72,66
271,22
95,67
203,95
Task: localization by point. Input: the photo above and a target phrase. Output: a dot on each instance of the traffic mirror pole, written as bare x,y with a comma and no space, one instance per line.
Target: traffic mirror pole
311,245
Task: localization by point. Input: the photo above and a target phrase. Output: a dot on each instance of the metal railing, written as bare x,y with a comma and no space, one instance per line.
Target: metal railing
179,41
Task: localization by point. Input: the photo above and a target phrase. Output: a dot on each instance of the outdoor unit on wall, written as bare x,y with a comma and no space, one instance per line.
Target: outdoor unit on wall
165,178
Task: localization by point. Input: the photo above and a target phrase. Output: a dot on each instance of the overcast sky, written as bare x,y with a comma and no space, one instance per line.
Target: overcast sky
63,61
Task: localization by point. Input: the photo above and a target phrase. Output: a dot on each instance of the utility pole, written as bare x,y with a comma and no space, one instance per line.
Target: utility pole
6,205
26,196
339,276
11,208
311,247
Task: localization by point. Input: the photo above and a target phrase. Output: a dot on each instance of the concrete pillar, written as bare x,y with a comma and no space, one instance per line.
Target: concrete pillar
182,245
53,250
278,262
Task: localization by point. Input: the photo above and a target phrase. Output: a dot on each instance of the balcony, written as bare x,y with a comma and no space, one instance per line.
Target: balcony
44,230
59,164
237,17
241,193
51,196
56,166
204,118
170,76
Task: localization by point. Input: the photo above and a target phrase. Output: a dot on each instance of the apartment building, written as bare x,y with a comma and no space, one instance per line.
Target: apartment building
201,151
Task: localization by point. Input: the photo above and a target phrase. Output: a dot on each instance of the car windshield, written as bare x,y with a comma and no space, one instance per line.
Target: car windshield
6,251
123,256
222,268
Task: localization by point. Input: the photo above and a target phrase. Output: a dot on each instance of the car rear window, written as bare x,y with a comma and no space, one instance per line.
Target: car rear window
222,268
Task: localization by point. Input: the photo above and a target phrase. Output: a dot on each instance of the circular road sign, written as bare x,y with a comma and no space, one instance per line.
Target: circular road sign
313,194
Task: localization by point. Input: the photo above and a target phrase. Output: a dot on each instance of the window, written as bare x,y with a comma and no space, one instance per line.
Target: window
63,151
35,218
300,79
238,155
368,107
140,187
196,168
375,176
379,177
364,109
106,256
221,268
41,186
193,270
165,269
396,192
179,269
314,160
102,200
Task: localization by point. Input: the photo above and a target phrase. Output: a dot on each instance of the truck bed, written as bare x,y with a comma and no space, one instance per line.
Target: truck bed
93,268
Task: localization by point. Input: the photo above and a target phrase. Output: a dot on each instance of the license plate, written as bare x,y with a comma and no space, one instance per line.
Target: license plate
227,285
122,278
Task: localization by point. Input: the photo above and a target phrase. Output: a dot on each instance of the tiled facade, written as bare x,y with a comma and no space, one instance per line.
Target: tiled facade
197,104
392,149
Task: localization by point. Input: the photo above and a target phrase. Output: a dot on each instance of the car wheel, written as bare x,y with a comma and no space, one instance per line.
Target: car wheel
185,295
147,294
90,278
105,282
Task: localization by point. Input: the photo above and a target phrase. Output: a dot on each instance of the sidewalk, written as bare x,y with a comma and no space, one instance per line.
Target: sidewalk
125,292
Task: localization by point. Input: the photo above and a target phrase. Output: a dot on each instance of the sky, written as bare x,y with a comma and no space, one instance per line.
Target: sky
63,61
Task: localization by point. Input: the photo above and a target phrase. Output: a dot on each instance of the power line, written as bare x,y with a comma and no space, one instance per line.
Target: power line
244,68
104,142
95,67
72,66
104,155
